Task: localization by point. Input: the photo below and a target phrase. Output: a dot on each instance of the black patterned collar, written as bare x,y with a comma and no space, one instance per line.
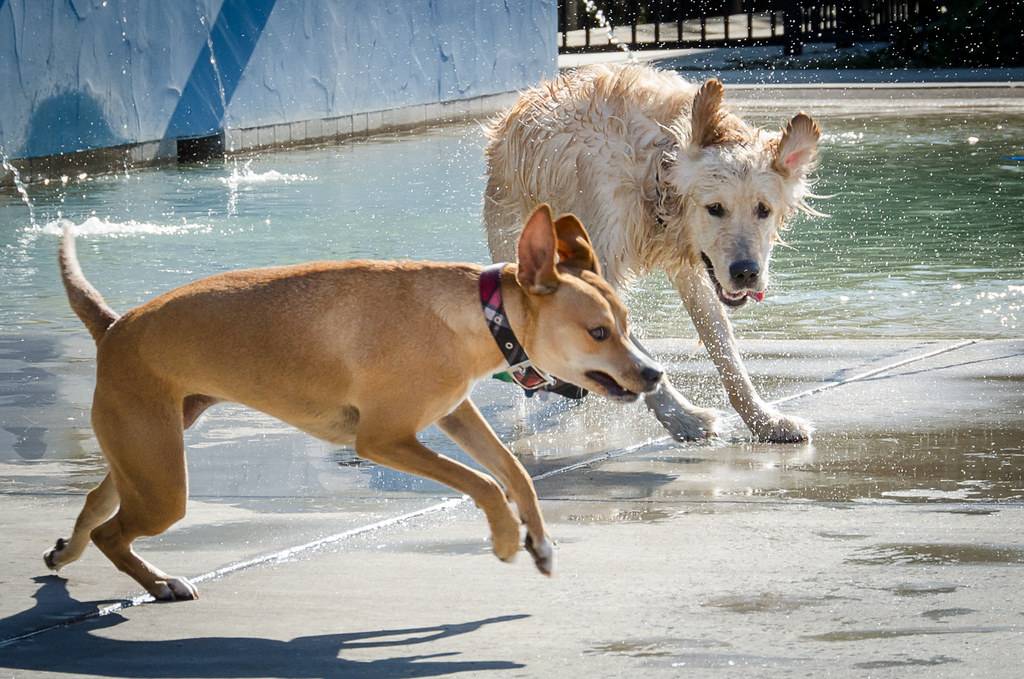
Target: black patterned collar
520,369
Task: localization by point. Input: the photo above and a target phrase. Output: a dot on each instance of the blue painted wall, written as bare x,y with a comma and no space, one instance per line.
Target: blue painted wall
81,74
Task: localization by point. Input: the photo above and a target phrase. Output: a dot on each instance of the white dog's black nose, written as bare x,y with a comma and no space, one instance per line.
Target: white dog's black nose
744,273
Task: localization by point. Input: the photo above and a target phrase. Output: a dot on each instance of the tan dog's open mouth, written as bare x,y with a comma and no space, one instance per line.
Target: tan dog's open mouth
731,299
612,388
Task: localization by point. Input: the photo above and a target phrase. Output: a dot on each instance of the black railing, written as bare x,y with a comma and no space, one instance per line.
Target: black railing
666,24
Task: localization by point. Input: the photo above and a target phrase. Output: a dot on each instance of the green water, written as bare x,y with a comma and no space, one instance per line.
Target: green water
925,236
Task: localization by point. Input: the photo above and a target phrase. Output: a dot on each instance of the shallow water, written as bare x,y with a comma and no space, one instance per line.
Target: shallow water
925,237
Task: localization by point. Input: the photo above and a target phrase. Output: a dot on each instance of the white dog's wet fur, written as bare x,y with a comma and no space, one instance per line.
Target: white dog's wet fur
664,177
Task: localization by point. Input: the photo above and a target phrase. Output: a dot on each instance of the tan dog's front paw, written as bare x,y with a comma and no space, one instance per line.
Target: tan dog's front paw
774,427
543,553
52,556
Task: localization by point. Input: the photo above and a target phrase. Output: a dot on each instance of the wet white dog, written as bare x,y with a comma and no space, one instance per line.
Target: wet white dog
664,178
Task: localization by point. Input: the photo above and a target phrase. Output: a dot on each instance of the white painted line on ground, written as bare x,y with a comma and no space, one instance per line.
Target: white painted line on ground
444,505
876,371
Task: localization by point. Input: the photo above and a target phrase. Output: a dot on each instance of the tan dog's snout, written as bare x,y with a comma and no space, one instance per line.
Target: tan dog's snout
652,375
649,372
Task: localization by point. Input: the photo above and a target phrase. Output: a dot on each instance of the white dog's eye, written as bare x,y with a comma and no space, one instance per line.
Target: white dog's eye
763,211
600,333
716,210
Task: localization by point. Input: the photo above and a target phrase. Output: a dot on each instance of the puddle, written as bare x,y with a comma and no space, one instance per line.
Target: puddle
939,614
767,602
842,536
969,511
653,647
908,662
919,589
633,649
869,634
954,465
938,554
731,660
599,514
845,469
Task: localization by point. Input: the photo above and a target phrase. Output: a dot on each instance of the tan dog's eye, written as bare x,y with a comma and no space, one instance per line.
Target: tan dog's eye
716,210
763,211
600,333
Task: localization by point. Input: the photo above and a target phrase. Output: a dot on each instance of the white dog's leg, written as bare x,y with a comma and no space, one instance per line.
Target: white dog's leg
683,420
715,330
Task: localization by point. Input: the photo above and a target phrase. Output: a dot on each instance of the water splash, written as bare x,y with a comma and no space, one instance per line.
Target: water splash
97,226
248,176
19,185
609,29
217,76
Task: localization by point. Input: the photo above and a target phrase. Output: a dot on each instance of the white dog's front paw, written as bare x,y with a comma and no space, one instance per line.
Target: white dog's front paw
683,420
773,427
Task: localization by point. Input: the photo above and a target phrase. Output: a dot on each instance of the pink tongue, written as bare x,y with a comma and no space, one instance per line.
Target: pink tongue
759,296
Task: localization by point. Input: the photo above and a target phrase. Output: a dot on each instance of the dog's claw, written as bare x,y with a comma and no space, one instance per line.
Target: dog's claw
543,554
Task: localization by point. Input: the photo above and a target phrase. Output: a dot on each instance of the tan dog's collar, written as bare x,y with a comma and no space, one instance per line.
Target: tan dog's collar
520,369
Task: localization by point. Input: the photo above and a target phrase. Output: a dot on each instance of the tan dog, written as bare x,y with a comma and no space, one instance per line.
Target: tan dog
333,349
665,178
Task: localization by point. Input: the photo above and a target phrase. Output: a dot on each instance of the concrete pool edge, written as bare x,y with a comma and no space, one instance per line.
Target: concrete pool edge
240,141
904,96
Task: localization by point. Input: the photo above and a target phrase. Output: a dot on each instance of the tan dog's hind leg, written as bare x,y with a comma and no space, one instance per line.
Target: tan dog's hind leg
406,454
194,406
467,427
143,444
100,503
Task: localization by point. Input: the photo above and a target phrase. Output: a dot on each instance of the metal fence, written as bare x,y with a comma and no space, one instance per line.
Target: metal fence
666,24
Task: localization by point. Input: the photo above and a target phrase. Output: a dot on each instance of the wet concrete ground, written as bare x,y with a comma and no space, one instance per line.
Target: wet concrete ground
890,545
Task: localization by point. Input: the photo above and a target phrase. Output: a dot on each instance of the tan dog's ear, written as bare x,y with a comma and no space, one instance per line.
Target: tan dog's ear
574,248
537,253
707,116
798,146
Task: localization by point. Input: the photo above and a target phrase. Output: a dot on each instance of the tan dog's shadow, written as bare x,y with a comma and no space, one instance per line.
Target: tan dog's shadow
83,652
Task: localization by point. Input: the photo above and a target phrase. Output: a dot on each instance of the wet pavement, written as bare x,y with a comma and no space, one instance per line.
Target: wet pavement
890,544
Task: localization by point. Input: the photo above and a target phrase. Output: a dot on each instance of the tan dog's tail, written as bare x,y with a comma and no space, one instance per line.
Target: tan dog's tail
86,301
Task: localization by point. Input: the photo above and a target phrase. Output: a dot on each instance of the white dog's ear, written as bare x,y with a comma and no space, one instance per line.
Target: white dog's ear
574,248
798,146
538,254
707,116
